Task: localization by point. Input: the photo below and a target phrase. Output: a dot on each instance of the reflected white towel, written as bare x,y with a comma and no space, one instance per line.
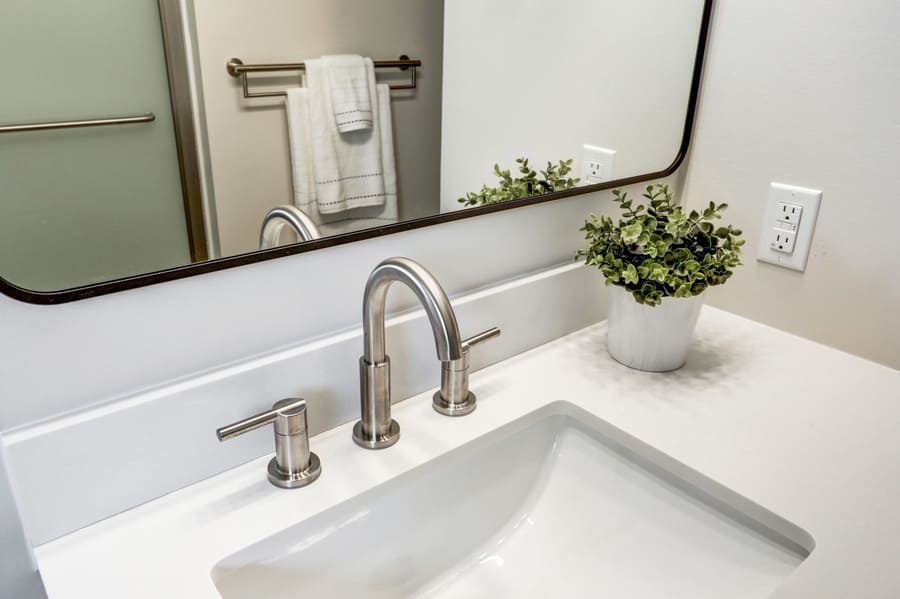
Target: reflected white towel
385,125
297,108
347,166
298,115
349,79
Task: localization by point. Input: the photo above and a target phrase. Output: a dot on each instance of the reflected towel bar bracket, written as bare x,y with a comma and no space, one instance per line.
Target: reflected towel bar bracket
237,68
124,120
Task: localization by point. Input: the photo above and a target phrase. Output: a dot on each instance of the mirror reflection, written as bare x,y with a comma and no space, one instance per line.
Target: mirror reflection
172,132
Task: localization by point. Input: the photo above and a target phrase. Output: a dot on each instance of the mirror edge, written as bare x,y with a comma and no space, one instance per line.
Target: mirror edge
180,272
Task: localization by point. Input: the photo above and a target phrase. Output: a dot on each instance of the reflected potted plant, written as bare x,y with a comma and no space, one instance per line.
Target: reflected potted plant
658,261
554,178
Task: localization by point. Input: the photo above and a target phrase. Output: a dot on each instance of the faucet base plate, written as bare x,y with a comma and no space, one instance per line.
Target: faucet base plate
380,441
286,480
446,408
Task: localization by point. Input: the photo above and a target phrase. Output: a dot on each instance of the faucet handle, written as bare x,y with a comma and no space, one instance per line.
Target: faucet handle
454,397
481,337
293,465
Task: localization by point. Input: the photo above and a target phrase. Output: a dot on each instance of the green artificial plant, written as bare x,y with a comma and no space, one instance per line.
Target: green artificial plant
657,250
513,188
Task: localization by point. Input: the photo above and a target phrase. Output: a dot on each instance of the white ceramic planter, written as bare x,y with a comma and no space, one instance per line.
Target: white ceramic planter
655,339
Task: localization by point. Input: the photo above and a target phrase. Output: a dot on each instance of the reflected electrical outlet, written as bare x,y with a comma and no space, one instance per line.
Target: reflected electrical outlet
597,164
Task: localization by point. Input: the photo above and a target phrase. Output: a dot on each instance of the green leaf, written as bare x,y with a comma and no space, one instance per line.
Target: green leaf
630,274
683,291
692,266
631,233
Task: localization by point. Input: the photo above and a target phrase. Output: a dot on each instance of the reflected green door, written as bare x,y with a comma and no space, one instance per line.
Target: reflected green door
80,206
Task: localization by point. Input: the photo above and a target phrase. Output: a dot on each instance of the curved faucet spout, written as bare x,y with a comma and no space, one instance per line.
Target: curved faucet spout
278,217
376,429
432,296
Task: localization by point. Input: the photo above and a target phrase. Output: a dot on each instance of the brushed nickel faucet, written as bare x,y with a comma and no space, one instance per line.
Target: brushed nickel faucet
376,429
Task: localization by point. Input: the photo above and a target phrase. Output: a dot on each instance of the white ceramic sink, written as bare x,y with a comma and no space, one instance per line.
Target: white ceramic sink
556,504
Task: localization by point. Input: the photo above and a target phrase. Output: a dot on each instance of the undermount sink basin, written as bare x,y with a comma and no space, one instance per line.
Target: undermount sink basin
556,504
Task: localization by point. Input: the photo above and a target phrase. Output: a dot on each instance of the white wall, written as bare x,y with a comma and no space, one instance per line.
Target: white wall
248,143
541,79
808,93
19,578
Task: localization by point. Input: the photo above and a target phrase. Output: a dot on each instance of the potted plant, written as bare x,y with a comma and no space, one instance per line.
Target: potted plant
658,261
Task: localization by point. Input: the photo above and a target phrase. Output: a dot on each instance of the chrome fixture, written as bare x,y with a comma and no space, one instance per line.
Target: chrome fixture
121,120
279,216
376,429
293,465
236,68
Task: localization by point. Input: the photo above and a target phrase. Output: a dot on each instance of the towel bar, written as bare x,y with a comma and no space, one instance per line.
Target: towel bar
124,120
237,68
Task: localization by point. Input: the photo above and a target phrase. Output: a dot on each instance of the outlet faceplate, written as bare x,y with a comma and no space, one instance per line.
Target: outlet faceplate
597,164
788,225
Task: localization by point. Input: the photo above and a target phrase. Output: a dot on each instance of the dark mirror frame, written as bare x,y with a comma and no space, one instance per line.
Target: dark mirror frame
180,272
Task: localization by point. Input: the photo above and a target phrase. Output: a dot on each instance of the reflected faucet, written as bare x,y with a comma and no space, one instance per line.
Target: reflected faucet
376,429
278,217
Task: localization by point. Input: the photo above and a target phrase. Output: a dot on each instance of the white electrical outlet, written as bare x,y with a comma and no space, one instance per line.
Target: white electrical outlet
789,213
597,164
783,241
788,225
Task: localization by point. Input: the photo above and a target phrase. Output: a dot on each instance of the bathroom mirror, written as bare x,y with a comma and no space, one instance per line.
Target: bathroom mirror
155,144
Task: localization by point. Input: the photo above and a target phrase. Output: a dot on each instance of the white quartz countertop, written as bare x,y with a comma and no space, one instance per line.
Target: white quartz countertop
809,433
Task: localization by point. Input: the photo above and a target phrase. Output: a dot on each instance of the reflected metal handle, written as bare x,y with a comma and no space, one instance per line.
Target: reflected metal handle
124,120
293,465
